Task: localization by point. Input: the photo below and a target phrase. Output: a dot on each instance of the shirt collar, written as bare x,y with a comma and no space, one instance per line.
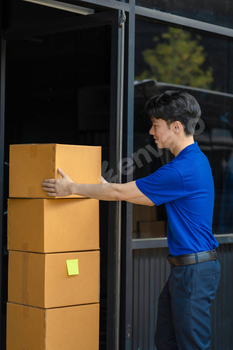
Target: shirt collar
190,148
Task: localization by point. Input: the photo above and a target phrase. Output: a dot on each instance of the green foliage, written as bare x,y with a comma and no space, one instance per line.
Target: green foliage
177,59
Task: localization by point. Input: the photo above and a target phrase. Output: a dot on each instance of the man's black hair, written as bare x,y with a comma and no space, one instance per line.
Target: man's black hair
174,106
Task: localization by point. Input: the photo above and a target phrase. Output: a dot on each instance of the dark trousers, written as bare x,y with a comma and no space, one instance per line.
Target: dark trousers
183,321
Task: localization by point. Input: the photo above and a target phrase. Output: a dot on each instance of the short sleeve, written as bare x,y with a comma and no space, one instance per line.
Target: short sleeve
163,186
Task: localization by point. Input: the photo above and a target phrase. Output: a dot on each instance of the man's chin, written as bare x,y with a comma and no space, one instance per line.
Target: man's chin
159,145
162,147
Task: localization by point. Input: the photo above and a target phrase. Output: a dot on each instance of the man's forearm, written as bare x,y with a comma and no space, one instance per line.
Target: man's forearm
141,201
105,191
108,192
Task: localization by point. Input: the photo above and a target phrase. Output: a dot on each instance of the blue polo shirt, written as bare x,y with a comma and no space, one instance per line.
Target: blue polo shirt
186,187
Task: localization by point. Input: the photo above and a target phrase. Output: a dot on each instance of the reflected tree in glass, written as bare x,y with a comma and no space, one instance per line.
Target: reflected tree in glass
177,59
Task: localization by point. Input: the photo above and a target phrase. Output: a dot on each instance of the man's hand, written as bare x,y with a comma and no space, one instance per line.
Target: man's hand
58,187
103,181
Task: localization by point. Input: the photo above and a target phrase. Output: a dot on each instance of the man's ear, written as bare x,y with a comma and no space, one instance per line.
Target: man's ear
177,127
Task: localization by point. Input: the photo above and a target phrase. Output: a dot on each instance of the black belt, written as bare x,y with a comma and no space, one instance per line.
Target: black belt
194,258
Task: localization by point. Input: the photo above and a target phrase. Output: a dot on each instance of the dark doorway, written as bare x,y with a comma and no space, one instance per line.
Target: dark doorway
58,91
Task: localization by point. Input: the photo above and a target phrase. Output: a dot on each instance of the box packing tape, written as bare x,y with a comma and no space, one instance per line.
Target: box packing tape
25,294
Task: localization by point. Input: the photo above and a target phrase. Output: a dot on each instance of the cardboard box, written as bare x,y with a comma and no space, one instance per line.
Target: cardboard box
68,328
42,280
143,213
150,229
31,164
47,225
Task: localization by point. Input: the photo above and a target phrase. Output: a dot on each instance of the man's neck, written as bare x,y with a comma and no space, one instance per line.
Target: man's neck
184,142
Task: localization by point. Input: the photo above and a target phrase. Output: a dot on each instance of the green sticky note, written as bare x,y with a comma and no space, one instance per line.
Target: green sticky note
72,267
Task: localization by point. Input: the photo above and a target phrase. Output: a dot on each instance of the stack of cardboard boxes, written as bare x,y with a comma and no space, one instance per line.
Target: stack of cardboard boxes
54,262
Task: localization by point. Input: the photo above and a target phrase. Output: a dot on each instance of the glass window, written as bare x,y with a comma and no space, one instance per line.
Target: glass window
176,59
210,11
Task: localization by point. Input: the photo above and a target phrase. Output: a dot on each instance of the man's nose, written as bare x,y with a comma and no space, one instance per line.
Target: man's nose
151,131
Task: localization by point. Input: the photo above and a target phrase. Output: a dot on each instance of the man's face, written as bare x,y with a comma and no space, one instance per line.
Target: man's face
163,135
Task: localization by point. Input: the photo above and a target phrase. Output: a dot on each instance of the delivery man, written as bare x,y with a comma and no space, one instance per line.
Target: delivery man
186,186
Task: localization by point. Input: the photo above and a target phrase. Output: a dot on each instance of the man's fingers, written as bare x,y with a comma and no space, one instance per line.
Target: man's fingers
61,172
48,184
50,189
49,181
57,187
51,194
103,181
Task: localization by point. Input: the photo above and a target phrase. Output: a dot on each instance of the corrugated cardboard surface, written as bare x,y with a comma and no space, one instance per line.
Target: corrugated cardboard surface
81,163
152,229
42,280
143,213
69,328
25,224
31,164
47,225
25,327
